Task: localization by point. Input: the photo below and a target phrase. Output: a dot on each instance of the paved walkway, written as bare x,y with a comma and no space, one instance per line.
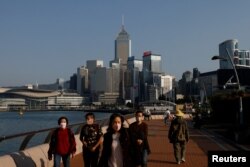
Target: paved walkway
162,151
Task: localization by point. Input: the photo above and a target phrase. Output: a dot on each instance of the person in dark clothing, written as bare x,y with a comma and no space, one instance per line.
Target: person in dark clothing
179,136
91,138
139,141
116,144
197,121
62,144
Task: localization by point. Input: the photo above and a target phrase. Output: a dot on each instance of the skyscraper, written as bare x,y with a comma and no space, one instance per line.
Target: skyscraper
151,65
151,62
134,63
122,47
82,80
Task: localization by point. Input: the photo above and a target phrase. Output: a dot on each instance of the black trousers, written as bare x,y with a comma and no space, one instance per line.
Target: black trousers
90,158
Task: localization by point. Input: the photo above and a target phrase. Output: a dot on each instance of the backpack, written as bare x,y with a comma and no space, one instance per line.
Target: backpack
181,133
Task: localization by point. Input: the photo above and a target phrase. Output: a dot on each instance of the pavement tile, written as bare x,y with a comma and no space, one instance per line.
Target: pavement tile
162,151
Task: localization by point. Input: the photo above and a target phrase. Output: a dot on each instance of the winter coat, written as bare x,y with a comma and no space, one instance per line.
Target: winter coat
54,140
178,131
107,146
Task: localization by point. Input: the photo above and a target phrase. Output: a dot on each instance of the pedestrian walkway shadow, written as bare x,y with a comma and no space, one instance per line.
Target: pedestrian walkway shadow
161,161
21,160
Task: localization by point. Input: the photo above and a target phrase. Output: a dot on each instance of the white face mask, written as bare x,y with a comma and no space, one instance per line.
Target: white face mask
63,125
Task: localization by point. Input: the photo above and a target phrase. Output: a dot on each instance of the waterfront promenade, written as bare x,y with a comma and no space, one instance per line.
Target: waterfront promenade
201,141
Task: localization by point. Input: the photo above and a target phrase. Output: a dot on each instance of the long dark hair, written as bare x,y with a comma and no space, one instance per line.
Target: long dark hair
111,120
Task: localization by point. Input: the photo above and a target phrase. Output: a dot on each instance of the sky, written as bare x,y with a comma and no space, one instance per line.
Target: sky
41,41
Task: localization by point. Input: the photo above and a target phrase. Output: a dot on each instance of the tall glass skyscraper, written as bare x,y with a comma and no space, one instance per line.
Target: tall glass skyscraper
122,48
151,62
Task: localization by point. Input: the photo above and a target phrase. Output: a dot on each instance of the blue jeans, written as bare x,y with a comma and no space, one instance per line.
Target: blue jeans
144,158
65,159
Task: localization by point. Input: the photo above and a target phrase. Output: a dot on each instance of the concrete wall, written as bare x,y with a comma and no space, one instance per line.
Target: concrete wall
37,156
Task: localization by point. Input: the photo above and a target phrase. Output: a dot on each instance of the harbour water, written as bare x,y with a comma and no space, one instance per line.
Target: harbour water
14,123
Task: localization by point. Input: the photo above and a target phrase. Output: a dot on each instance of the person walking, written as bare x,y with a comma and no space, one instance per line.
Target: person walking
139,140
116,144
62,144
91,138
147,114
166,116
179,136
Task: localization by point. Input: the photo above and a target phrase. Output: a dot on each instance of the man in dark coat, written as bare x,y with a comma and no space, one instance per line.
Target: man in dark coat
139,140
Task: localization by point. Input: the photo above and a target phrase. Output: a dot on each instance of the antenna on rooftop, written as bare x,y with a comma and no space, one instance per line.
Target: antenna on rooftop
122,21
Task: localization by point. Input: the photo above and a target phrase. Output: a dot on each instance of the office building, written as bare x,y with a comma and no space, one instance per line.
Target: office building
240,58
165,83
105,84
151,62
93,64
122,47
73,82
151,65
134,63
82,80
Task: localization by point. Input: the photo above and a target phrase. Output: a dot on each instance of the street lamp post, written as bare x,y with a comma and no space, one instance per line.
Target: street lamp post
238,83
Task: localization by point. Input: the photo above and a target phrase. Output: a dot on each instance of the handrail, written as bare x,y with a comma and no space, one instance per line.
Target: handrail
29,135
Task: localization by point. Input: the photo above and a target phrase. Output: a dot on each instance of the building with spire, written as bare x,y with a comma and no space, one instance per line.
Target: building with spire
122,47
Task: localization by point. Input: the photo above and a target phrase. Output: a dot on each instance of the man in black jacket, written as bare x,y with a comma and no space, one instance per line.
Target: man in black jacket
91,138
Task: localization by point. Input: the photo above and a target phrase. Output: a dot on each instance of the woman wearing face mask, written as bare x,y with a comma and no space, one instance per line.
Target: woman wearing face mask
62,144
116,144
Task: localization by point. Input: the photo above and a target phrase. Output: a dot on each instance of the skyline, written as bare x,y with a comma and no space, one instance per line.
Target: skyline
41,41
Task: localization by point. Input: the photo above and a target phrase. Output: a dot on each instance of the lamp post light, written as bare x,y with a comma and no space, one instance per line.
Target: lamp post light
238,83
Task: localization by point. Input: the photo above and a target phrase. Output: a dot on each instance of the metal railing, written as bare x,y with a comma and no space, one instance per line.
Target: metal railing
27,136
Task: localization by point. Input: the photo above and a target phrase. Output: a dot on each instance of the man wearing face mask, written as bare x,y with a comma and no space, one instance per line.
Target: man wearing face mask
139,139
62,144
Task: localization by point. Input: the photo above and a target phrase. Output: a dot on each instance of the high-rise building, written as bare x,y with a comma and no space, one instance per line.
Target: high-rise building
105,85
98,80
122,47
151,62
93,64
82,80
151,65
132,78
60,83
134,63
185,83
151,68
196,73
240,58
105,80
73,82
166,85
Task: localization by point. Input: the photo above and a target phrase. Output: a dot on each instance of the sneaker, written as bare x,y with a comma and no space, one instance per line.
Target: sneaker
183,160
179,162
